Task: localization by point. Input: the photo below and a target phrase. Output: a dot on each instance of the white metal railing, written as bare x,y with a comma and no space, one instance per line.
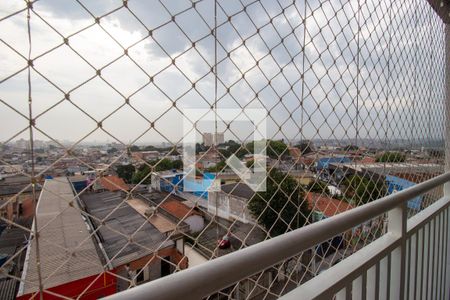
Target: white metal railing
341,74
409,259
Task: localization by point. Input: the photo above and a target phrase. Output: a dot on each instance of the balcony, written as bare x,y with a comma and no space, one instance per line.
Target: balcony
408,261
134,135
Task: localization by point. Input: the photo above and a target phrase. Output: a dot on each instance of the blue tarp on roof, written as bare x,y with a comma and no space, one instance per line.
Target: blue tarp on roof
79,185
395,184
167,183
324,162
198,187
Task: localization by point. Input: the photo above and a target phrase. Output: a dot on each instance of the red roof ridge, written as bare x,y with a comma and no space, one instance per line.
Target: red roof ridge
178,209
327,205
113,183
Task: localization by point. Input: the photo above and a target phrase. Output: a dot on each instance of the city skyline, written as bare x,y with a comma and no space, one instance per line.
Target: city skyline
246,73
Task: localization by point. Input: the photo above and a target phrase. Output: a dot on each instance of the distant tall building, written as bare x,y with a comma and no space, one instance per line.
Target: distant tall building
220,138
22,144
208,138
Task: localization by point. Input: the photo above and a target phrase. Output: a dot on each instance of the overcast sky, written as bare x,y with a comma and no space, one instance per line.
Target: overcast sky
392,69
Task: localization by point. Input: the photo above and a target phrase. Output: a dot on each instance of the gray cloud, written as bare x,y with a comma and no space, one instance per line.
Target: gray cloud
331,80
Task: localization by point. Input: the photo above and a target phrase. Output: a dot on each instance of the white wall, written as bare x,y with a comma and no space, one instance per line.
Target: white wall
196,223
229,207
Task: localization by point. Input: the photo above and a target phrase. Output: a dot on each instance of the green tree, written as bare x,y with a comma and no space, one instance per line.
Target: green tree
232,148
225,153
162,165
173,151
391,156
134,148
318,187
351,148
276,149
250,163
281,207
125,172
141,173
158,166
244,150
200,148
177,164
361,190
150,148
112,150
218,167
305,147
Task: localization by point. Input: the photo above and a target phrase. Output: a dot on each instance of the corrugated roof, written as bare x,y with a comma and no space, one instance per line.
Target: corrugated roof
14,184
16,188
15,236
161,223
238,189
65,233
8,289
126,220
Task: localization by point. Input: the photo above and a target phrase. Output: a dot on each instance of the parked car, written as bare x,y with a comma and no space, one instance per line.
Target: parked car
224,243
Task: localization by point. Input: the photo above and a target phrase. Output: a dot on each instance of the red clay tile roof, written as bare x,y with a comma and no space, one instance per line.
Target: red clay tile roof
307,161
113,183
178,209
294,152
328,206
367,160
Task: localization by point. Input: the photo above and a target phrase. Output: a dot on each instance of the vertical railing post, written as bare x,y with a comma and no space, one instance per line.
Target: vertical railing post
397,218
447,105
447,141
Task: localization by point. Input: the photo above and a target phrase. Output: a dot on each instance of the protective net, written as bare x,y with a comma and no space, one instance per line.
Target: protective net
96,101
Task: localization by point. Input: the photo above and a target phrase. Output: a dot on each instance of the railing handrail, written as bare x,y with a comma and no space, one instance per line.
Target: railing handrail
222,272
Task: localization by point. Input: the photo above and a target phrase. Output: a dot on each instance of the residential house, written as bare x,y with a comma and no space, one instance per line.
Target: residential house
231,202
156,250
79,275
113,183
174,181
184,213
146,155
209,158
324,207
15,192
12,256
